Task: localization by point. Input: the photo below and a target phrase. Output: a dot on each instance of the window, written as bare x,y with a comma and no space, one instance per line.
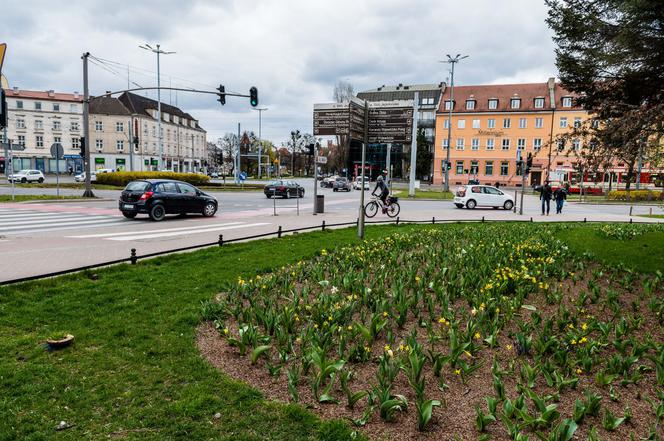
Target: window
506,144
493,104
119,145
167,187
461,124
504,168
186,188
459,167
459,144
99,144
99,126
19,104
448,105
446,124
491,123
475,144
21,140
539,103
490,143
73,108
38,105
506,123
39,142
445,143
522,123
567,101
470,104
56,107
39,124
561,145
57,125
57,139
537,144
75,142
74,125
576,144
515,103
426,101
539,123
476,124
154,131
595,124
521,144
488,168
119,127
577,122
563,122
425,115
474,167
20,123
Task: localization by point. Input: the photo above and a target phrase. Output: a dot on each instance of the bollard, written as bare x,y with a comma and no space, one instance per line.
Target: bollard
323,226
584,220
531,219
433,220
482,219
397,220
630,220
279,232
221,239
133,257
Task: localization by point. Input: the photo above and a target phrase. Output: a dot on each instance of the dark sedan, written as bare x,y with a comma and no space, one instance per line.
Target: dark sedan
159,197
284,189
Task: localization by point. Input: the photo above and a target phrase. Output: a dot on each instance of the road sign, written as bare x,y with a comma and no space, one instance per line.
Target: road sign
242,176
57,152
321,159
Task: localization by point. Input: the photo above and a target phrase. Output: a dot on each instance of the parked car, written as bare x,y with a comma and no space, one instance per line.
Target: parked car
24,176
81,177
471,196
341,184
285,189
357,184
104,170
159,197
328,182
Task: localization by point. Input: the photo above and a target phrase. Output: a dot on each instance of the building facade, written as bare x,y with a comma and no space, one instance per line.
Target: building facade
491,125
37,120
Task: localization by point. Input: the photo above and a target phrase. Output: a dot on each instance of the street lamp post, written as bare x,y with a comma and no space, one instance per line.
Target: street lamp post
158,51
260,139
451,61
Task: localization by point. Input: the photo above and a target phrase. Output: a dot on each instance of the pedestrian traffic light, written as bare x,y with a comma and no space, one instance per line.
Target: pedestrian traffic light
529,161
82,146
310,147
222,94
253,96
3,109
135,141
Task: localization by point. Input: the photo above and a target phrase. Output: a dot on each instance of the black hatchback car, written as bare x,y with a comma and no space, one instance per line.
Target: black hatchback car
286,189
159,197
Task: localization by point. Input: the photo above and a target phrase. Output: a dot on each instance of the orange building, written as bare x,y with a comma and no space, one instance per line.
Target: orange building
491,124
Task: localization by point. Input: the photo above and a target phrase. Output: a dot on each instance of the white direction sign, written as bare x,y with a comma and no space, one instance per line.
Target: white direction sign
321,159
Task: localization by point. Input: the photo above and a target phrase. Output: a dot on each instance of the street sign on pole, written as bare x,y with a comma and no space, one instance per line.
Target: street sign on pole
57,152
321,159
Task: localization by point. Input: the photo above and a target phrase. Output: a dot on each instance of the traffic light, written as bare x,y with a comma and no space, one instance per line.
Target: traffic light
135,141
82,146
310,147
222,94
529,161
253,97
3,110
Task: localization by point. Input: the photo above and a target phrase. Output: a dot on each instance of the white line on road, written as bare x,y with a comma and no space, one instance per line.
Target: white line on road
124,233
181,233
49,220
101,223
50,224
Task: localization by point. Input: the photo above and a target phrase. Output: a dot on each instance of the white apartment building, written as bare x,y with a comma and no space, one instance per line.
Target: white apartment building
37,120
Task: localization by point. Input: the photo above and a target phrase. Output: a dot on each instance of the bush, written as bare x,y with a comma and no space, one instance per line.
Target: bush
636,195
123,178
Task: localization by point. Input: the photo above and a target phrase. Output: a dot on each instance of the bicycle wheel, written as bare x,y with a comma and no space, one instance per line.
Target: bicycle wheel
371,209
393,210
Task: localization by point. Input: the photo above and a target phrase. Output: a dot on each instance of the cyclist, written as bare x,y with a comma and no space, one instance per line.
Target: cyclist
384,191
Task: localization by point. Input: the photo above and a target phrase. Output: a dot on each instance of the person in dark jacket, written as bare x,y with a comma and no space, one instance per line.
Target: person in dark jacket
545,196
560,195
384,190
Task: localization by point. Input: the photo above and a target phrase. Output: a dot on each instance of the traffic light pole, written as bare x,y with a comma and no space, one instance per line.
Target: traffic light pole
86,128
360,223
523,186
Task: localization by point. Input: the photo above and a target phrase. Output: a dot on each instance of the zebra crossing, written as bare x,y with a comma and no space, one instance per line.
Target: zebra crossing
17,221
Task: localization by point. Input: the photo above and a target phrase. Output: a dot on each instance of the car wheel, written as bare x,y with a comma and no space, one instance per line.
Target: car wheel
508,205
471,204
129,214
459,205
40,180
268,196
209,209
287,195
23,180
157,212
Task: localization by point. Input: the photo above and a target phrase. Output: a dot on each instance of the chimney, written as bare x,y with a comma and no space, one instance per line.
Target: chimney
551,84
15,90
51,93
406,87
75,95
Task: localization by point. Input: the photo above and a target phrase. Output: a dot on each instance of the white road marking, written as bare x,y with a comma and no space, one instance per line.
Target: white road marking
48,220
101,223
50,224
89,236
182,233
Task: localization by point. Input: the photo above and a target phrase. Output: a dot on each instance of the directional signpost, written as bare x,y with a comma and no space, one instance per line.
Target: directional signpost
57,152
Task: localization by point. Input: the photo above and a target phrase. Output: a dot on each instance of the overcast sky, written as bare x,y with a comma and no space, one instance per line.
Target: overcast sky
293,51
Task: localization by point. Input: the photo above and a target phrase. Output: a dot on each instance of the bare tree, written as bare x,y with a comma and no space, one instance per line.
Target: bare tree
343,92
228,145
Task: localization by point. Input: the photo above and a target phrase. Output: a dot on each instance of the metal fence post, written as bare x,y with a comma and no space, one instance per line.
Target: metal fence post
584,220
298,202
630,220
397,220
323,226
482,219
221,239
133,257
433,220
274,201
279,232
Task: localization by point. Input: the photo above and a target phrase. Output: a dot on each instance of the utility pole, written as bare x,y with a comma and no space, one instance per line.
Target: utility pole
158,51
86,128
192,153
360,225
639,166
413,148
451,61
237,156
131,146
260,139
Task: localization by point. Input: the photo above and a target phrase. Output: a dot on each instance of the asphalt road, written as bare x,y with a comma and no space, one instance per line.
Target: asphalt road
38,238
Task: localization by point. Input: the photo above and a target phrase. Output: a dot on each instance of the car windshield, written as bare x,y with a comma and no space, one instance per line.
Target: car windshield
275,183
137,186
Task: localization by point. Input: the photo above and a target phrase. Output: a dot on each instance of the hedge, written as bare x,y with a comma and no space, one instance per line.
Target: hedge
123,178
636,195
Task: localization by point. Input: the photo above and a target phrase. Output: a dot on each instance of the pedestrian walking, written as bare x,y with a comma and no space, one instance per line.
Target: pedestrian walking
545,196
560,195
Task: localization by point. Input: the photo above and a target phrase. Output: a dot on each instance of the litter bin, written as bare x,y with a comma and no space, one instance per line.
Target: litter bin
320,203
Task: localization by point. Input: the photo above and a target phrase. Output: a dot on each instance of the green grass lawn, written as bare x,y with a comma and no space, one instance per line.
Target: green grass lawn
652,216
134,371
34,197
426,194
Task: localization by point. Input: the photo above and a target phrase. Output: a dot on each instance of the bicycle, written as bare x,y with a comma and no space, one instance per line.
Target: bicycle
392,208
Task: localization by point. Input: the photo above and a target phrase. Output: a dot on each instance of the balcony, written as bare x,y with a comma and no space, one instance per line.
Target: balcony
426,122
